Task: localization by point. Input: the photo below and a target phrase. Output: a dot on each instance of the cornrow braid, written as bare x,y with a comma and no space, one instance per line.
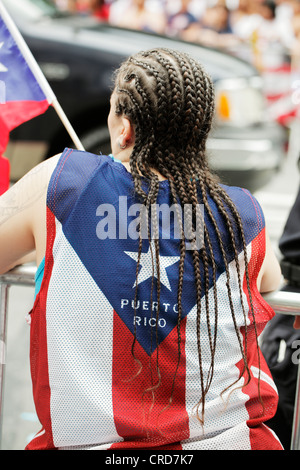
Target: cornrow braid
169,98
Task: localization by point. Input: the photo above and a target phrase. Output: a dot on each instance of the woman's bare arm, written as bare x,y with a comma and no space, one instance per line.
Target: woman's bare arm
23,216
270,277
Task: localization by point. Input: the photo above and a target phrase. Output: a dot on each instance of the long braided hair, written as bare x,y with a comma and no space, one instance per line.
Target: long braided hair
169,99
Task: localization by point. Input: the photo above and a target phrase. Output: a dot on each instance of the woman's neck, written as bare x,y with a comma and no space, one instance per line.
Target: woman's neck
156,172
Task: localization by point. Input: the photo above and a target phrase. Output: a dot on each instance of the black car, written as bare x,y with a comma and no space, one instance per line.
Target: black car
78,56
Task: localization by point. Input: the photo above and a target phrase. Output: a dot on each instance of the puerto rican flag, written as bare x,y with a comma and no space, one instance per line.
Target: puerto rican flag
24,92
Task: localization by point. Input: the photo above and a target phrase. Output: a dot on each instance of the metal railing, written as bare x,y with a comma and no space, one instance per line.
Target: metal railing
282,302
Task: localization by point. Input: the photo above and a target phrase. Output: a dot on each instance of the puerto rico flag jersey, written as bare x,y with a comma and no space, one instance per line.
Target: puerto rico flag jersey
96,347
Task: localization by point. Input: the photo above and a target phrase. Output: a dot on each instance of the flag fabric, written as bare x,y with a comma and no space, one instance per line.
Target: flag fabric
88,388
4,174
21,95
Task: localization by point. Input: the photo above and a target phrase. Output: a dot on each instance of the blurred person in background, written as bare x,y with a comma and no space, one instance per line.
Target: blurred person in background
264,21
97,8
213,28
141,15
195,7
240,12
181,19
66,5
217,18
246,18
269,36
117,8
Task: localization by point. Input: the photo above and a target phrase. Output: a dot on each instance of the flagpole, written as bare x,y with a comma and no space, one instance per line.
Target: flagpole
40,77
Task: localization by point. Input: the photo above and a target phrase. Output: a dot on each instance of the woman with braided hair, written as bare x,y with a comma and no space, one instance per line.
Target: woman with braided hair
145,325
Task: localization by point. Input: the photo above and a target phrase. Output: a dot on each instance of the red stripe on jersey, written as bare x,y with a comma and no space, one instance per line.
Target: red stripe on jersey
39,351
140,424
260,436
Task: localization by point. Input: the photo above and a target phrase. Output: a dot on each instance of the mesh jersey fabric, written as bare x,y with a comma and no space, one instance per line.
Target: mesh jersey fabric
86,388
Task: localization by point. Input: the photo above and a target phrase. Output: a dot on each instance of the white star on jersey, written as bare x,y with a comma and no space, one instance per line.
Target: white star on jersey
2,67
146,266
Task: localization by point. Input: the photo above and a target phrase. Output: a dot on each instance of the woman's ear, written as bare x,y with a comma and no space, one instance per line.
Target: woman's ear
127,134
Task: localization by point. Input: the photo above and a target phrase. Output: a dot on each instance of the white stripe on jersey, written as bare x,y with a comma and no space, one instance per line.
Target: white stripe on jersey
79,353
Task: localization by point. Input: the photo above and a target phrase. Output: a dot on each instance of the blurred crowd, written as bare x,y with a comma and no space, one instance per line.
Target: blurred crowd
266,33
260,24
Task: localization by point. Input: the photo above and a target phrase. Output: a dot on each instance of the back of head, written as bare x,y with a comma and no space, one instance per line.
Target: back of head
169,98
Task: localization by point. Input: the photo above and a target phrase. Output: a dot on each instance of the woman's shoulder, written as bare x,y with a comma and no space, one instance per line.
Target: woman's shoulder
240,195
246,204
84,162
